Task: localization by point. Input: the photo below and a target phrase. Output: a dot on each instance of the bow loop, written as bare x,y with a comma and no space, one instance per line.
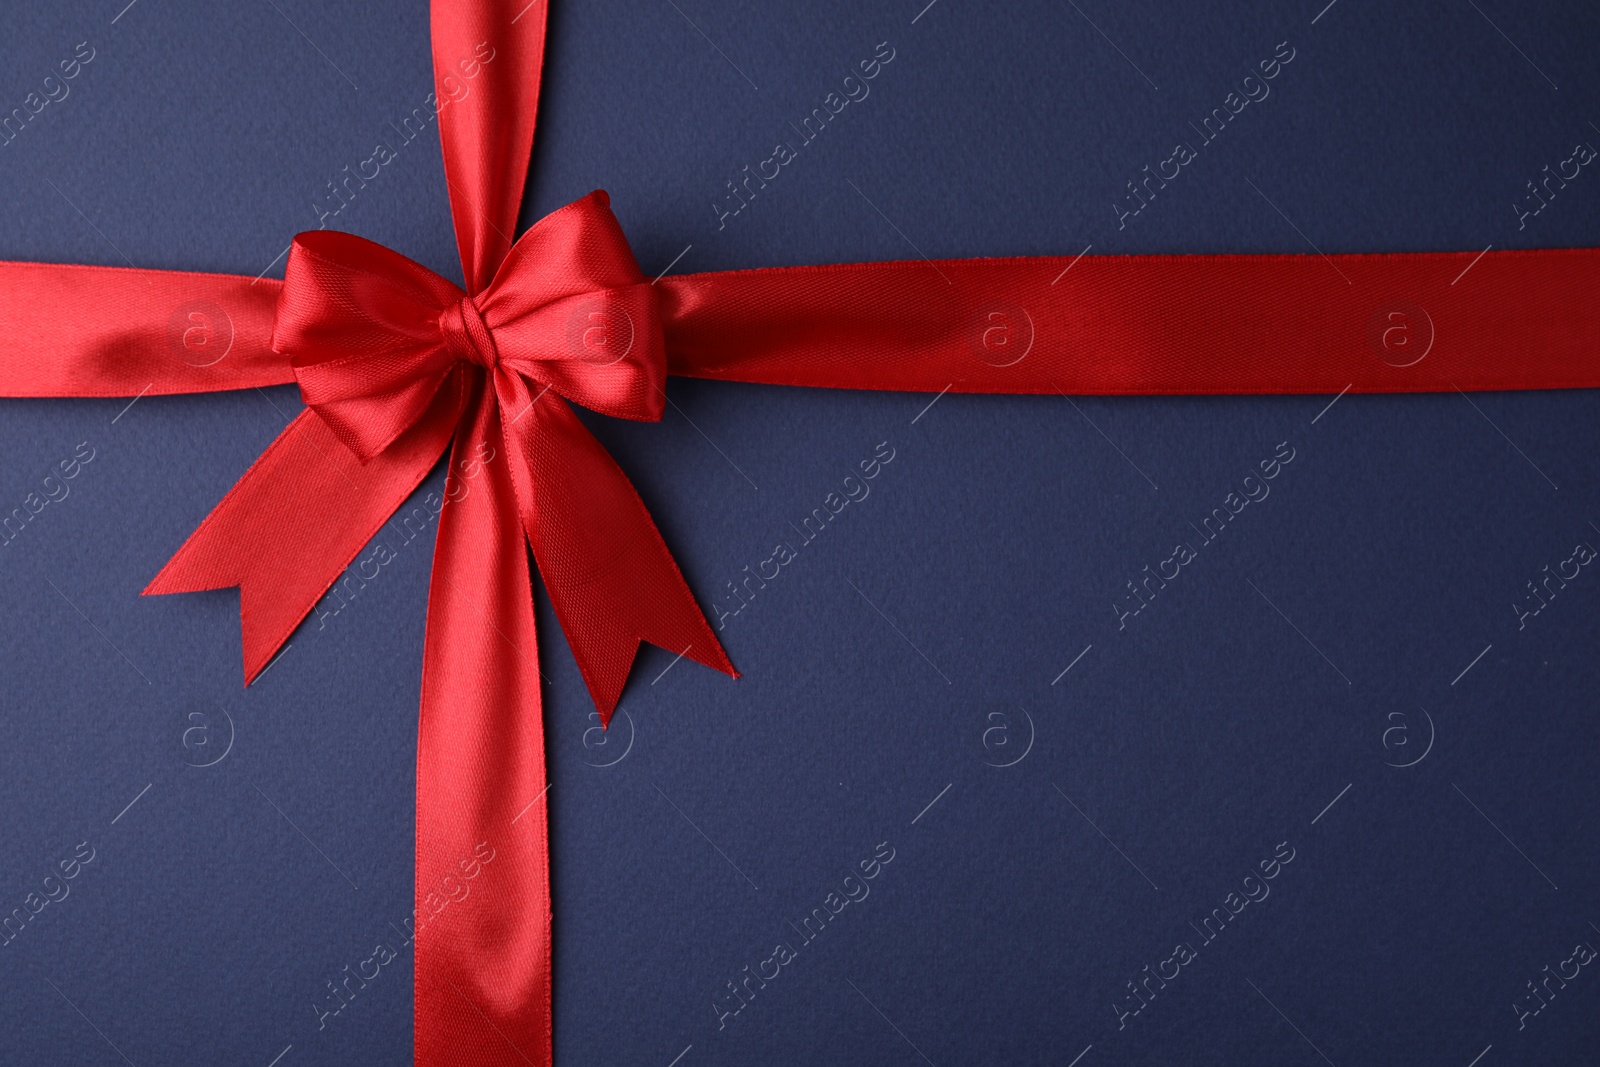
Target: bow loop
603,350
361,325
569,308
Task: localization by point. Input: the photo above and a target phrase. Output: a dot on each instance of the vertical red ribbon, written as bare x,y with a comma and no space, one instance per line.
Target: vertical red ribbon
483,963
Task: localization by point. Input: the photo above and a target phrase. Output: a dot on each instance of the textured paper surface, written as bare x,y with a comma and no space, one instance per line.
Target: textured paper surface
968,607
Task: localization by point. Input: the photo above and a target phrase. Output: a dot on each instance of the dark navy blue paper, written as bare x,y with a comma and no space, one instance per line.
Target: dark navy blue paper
1089,731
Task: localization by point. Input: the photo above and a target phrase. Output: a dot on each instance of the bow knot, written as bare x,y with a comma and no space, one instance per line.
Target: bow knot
467,336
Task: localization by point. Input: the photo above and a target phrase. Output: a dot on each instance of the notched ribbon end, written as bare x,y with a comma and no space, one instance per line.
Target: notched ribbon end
607,679
257,648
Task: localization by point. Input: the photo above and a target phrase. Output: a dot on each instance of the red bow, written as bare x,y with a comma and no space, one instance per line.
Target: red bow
373,335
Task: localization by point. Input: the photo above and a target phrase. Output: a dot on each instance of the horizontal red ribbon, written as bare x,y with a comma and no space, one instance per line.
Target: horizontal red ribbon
1136,325
1150,324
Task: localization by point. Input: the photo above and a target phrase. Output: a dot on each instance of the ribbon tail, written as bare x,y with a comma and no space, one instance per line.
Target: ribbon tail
483,960
611,579
296,519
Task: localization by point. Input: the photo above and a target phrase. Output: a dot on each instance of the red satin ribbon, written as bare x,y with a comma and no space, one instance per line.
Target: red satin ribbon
397,364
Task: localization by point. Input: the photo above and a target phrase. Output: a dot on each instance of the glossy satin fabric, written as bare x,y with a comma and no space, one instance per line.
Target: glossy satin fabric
399,366
1150,324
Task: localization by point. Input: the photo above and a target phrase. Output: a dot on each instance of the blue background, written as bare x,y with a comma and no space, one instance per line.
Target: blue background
1376,581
